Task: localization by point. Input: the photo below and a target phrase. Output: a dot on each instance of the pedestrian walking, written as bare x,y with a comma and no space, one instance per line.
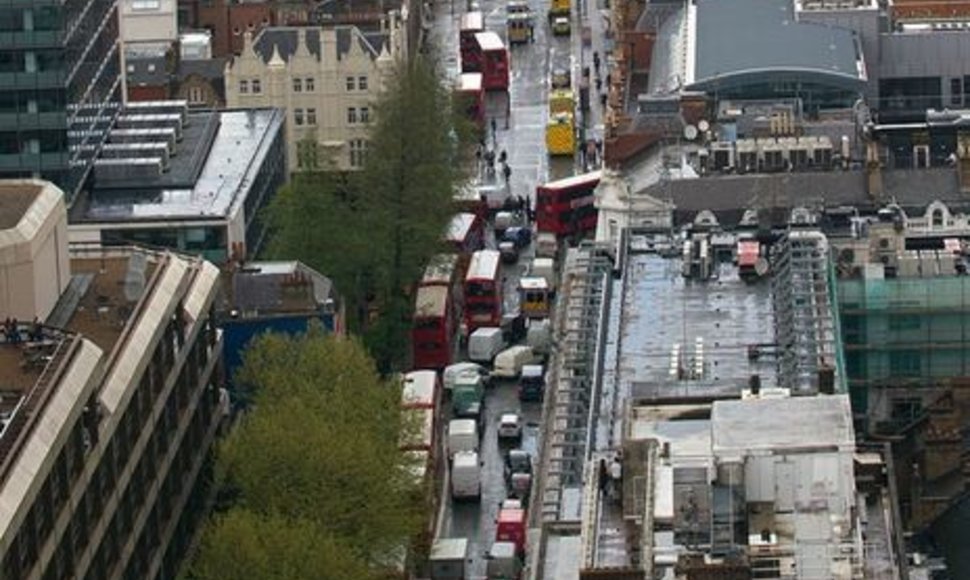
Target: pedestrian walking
494,129
609,79
596,62
599,83
604,477
507,171
502,157
603,101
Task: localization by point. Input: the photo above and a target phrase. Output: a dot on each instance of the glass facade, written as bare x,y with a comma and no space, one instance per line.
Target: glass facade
60,87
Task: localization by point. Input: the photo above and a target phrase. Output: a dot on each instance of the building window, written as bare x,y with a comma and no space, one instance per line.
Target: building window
196,96
903,322
307,155
257,88
308,83
297,85
351,115
358,152
956,91
311,116
351,83
243,87
298,116
364,115
146,4
906,363
362,83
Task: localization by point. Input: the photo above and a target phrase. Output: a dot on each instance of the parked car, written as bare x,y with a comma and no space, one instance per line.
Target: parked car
510,426
518,235
518,473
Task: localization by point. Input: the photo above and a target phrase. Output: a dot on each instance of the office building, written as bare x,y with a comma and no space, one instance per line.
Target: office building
148,24
110,402
194,181
60,79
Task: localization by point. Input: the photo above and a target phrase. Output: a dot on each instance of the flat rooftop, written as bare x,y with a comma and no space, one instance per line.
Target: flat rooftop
15,200
781,424
210,172
103,306
662,309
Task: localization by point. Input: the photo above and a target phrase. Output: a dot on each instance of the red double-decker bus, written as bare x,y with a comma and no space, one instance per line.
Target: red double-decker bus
433,333
447,270
565,207
466,233
494,61
471,96
483,291
471,56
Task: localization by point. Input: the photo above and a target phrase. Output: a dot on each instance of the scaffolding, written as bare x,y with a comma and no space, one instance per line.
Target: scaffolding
806,321
581,321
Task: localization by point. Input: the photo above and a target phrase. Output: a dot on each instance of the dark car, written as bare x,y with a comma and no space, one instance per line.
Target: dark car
519,236
532,383
518,473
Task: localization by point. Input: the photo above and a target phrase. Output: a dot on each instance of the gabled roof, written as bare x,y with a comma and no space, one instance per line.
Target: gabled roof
286,38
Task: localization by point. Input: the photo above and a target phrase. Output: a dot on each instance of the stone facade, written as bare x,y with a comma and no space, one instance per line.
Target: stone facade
326,79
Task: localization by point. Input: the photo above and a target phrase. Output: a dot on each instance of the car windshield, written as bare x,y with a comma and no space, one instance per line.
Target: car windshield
519,461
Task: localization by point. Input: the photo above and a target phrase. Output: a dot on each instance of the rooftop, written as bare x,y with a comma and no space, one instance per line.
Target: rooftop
277,287
285,39
667,318
15,200
781,425
216,161
825,54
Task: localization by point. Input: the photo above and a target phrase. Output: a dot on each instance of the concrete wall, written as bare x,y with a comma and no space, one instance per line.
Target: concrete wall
34,262
149,21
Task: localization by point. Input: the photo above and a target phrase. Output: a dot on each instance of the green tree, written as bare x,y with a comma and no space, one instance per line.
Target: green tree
319,447
242,544
374,231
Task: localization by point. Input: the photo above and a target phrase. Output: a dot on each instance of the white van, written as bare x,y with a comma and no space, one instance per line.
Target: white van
466,476
544,268
453,373
462,436
509,362
546,245
539,336
485,343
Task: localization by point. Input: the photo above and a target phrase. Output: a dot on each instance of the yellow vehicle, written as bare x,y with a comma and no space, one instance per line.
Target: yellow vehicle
560,25
519,28
560,134
561,101
534,297
559,8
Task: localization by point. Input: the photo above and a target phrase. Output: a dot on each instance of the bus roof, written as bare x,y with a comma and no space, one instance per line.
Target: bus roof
431,301
460,226
472,21
419,389
440,270
483,266
423,437
470,82
575,180
489,40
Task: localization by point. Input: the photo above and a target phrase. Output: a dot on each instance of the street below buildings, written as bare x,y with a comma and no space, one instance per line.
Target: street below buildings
520,118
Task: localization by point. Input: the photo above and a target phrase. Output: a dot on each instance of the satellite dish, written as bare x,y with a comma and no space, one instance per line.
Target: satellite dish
690,132
703,126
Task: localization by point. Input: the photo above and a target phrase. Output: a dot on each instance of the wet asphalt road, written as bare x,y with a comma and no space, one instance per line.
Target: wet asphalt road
522,135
